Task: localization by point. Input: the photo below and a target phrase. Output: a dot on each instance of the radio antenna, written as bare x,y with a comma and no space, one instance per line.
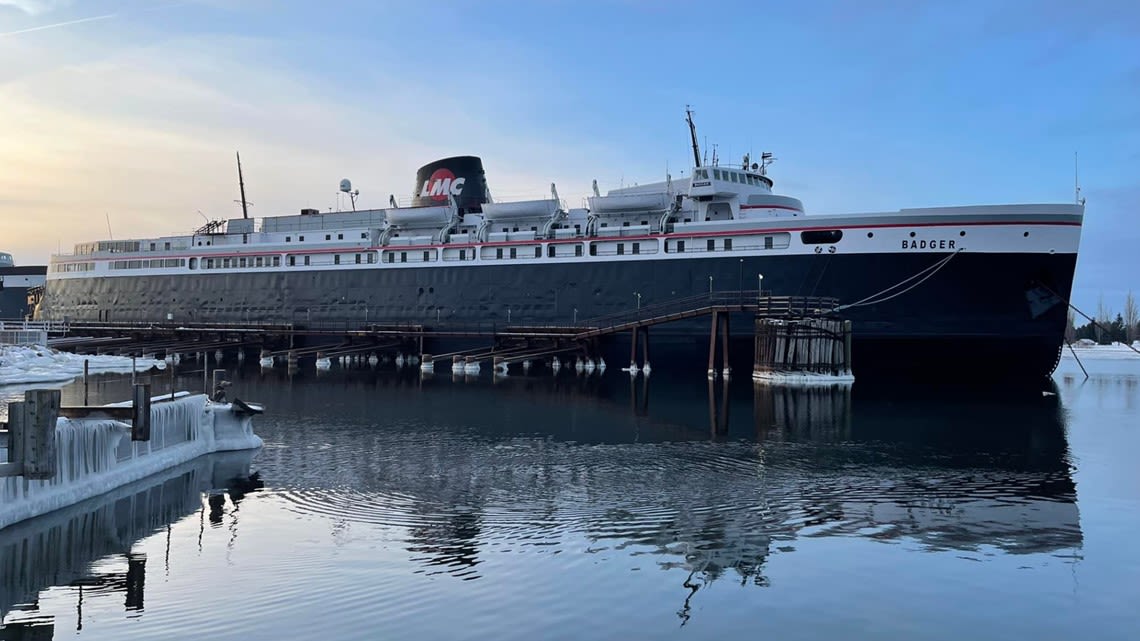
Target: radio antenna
693,136
241,185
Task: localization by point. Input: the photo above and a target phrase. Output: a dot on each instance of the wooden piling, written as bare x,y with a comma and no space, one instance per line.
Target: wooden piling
140,419
644,346
805,345
633,347
40,412
847,346
712,343
724,344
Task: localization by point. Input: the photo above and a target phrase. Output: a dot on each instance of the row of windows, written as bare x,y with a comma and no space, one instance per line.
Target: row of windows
779,241
154,263
73,267
497,253
339,236
113,246
728,175
333,259
229,262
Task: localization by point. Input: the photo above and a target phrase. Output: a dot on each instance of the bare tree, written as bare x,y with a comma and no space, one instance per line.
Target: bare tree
1070,327
1131,317
1103,318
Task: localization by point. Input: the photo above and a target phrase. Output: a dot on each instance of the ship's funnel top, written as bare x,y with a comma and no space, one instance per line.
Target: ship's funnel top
459,176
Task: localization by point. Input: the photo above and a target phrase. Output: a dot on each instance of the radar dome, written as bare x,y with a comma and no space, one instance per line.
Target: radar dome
346,185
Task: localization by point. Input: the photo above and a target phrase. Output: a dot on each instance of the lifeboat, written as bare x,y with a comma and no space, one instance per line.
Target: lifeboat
518,210
622,203
430,216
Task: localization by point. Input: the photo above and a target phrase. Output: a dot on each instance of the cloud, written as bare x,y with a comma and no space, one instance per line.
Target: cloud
35,7
56,25
146,134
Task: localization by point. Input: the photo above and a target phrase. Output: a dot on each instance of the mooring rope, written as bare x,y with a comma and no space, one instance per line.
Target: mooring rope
1087,317
929,271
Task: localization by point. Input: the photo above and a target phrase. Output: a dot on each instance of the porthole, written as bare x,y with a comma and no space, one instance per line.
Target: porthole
870,234
1026,234
962,233
912,234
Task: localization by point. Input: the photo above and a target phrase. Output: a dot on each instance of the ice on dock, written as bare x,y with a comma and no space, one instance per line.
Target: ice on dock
96,454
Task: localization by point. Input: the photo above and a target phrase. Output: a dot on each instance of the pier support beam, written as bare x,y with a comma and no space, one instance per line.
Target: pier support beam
712,343
724,344
31,433
633,348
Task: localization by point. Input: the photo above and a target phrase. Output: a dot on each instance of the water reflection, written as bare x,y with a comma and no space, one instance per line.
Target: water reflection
88,546
702,477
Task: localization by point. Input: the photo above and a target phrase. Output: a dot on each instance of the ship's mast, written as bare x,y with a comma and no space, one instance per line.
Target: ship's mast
241,184
693,135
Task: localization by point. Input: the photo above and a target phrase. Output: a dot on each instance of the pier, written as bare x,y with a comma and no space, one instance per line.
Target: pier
54,456
503,345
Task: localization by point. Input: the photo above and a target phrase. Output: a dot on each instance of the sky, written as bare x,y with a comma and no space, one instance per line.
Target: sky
122,117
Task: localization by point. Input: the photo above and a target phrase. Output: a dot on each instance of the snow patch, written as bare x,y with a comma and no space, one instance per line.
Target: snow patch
29,365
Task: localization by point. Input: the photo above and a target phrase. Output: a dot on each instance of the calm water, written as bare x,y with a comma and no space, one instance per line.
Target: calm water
386,507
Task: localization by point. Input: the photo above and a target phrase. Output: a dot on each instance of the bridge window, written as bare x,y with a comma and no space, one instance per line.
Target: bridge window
276,261
538,252
427,255
514,252
680,246
768,242
621,249
498,252
727,244
711,245
637,248
577,250
306,260
336,259
550,250
358,259
403,257
821,236
292,261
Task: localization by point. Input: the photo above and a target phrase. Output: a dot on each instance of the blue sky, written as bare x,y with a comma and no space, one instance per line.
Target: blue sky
132,115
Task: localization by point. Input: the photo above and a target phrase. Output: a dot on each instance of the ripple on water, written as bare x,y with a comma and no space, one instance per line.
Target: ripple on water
453,497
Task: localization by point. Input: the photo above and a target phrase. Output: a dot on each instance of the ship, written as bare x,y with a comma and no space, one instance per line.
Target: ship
964,291
19,287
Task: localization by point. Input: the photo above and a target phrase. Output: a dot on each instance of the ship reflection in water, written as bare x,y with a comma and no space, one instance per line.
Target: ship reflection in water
583,479
706,478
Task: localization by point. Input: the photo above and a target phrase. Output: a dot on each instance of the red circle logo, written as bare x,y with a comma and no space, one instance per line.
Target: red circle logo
439,184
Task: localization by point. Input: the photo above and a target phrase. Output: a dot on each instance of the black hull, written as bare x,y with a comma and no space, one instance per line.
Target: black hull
14,302
981,315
